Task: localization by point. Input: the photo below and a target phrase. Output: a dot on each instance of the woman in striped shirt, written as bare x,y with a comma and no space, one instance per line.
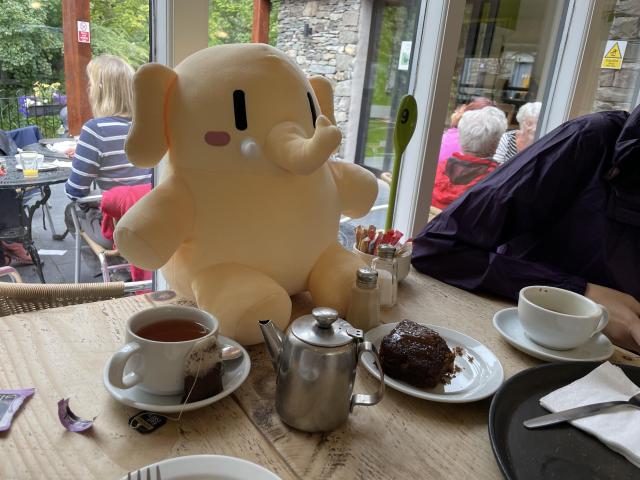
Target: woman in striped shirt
515,141
99,158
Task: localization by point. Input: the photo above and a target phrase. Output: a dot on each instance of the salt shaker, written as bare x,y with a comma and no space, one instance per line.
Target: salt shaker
387,266
364,302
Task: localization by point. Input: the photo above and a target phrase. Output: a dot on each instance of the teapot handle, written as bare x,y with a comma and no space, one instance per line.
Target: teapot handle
368,400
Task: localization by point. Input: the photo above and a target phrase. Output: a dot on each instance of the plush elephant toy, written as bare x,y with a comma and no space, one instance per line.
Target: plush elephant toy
247,210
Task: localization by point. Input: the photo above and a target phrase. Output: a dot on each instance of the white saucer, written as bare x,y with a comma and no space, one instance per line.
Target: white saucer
235,372
480,376
508,325
210,467
42,168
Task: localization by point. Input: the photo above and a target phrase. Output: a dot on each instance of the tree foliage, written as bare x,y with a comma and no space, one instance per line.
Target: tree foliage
31,40
30,44
231,21
121,27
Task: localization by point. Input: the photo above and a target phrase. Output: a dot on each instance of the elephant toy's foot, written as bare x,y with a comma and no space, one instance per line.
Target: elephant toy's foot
332,277
239,296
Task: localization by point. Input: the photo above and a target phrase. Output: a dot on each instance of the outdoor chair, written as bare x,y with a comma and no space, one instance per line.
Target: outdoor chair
22,137
12,273
103,254
21,297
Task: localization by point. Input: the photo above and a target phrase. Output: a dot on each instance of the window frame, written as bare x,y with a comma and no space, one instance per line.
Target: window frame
181,28
438,43
177,32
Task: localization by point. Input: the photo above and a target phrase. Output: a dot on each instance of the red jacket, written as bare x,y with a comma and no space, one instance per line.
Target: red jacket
456,175
115,203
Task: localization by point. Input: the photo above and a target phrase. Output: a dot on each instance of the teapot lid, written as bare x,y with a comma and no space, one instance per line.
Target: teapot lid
323,328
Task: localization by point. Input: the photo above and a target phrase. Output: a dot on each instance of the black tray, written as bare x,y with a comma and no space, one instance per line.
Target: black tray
558,452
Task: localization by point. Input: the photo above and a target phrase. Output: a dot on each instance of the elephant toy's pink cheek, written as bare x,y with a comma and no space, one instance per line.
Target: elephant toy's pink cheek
217,139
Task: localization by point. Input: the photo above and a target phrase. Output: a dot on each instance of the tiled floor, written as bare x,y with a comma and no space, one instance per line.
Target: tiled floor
60,268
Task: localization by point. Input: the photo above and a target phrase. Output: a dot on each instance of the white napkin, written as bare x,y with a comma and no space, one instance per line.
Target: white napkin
62,163
619,428
62,147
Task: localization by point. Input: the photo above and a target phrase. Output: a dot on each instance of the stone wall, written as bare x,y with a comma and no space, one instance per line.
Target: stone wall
322,37
616,88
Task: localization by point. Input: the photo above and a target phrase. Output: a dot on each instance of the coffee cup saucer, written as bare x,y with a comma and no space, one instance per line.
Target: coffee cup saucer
507,323
234,373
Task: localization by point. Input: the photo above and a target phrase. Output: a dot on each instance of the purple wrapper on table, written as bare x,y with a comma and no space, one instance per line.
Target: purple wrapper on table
10,401
70,420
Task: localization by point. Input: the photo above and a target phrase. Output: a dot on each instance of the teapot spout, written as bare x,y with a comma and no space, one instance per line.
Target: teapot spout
273,338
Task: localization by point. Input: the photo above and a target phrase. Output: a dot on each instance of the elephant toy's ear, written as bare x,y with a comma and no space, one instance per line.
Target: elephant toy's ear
324,93
147,141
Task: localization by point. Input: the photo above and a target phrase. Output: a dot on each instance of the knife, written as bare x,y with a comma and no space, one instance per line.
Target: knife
572,414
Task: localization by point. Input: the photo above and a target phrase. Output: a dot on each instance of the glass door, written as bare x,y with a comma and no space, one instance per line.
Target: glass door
388,71
503,60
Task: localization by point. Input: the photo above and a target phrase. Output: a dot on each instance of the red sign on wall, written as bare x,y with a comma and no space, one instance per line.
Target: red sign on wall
84,32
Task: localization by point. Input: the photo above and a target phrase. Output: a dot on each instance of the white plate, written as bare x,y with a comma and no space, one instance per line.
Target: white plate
235,372
42,168
210,467
508,325
478,378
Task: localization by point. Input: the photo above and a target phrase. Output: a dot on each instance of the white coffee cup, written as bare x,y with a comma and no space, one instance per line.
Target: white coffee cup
154,366
558,318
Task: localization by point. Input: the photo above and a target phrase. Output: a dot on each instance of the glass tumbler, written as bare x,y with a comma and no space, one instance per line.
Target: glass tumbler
29,163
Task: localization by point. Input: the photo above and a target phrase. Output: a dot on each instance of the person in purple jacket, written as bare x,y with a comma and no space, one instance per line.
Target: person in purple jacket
565,213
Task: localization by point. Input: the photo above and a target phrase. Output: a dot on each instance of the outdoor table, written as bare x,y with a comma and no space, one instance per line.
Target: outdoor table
41,147
15,180
61,352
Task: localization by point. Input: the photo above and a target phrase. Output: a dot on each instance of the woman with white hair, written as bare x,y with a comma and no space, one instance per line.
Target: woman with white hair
515,141
480,132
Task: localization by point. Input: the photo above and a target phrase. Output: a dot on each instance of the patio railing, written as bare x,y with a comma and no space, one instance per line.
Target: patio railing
24,110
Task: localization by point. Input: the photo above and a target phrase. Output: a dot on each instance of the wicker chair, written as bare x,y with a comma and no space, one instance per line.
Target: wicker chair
29,297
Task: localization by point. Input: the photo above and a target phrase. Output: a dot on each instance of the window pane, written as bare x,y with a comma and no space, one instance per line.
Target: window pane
232,21
617,67
44,99
504,55
391,45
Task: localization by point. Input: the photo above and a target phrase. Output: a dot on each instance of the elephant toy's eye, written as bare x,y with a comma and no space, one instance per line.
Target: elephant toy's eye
313,109
240,109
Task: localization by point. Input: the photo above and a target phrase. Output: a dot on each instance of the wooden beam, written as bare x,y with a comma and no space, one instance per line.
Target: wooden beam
260,30
76,57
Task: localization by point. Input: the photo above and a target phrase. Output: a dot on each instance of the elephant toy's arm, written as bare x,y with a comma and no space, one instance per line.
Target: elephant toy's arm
290,149
153,229
357,188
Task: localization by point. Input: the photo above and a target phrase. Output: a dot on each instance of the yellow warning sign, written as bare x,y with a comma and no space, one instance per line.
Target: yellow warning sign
614,54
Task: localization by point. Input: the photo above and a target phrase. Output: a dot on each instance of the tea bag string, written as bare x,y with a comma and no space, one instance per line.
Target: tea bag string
196,377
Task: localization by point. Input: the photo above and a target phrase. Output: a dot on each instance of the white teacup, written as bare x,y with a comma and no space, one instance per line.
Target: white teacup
558,318
158,367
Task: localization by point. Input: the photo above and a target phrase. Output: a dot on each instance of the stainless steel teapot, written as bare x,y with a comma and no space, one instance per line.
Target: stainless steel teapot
315,363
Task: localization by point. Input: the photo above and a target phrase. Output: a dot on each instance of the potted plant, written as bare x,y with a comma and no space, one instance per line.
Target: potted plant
46,100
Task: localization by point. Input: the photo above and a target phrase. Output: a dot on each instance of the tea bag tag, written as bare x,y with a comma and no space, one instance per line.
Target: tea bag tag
147,422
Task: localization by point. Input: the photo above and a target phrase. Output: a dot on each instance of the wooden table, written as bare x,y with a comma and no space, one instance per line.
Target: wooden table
62,352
